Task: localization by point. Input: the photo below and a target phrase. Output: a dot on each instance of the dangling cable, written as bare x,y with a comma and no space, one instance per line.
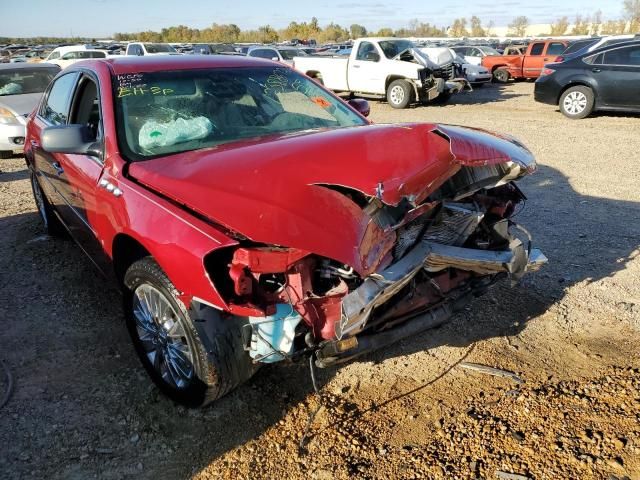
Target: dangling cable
312,415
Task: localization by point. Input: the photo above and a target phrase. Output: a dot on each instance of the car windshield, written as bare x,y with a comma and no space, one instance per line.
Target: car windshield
24,80
489,51
159,48
163,113
392,48
289,53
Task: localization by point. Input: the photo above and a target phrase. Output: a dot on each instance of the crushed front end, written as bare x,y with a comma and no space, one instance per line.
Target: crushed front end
421,258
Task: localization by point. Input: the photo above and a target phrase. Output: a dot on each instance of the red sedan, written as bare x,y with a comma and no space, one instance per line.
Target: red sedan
251,216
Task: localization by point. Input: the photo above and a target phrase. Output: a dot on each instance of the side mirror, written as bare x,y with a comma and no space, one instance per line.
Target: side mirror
76,139
275,59
360,105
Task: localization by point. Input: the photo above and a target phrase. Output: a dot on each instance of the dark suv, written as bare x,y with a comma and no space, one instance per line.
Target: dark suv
604,79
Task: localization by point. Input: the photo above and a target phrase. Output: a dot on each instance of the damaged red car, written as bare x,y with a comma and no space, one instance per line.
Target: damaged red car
251,216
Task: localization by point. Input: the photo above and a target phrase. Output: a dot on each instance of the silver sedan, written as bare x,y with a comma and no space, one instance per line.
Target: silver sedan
21,86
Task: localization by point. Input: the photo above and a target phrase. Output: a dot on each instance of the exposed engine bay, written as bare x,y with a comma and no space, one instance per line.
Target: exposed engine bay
427,258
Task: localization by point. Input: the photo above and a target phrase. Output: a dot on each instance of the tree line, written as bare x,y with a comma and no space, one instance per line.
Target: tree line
461,27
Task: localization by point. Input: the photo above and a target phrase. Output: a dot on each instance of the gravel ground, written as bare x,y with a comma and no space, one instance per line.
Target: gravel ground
84,408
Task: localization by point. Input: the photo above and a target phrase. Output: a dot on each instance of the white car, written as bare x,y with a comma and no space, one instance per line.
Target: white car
21,86
475,54
277,54
144,48
389,67
475,74
74,56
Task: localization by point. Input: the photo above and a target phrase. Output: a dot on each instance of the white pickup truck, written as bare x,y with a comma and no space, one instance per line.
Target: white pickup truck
384,67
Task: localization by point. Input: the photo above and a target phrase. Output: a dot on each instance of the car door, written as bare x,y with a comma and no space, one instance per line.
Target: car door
366,72
617,72
534,62
54,110
81,191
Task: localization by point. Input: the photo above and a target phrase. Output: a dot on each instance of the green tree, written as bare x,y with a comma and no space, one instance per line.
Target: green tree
596,23
560,26
632,14
385,32
476,27
581,25
267,34
459,28
357,31
613,27
518,28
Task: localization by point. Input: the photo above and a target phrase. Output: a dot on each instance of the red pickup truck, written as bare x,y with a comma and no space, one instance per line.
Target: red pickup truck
250,216
529,65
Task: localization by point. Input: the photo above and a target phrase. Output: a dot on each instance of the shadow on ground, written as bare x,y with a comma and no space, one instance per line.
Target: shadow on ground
81,389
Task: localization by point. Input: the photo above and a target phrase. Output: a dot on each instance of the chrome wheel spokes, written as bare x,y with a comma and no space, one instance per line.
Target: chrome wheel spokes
162,336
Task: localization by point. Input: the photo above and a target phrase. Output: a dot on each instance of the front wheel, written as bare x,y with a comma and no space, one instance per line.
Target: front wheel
169,346
501,75
577,102
399,94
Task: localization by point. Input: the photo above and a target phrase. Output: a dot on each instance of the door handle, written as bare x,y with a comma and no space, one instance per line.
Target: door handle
56,166
546,59
356,66
595,70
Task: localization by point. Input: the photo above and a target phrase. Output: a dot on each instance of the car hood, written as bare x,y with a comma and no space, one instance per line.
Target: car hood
21,104
294,190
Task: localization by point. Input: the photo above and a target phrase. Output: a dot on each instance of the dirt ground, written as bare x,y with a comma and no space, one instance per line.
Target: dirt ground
84,408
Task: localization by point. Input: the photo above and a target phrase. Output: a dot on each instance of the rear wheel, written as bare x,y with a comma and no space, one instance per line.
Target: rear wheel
577,102
501,75
399,94
52,224
169,346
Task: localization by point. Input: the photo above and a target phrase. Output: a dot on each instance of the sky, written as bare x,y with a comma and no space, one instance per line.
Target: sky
102,18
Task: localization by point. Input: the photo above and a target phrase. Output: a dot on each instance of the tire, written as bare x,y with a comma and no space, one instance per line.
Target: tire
173,354
51,222
501,75
400,94
5,154
577,102
442,99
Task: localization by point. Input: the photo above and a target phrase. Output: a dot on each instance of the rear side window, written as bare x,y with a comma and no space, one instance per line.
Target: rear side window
537,49
555,48
56,108
623,56
54,55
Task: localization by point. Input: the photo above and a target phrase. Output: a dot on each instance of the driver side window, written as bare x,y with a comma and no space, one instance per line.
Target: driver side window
367,52
86,108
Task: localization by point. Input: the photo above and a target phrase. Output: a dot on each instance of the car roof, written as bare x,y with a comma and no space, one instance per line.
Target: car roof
603,48
160,63
26,66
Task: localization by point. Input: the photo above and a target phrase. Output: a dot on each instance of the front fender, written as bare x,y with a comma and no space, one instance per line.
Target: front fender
177,240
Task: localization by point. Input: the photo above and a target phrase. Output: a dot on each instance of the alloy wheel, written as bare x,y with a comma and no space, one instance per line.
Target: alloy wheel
162,336
575,103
